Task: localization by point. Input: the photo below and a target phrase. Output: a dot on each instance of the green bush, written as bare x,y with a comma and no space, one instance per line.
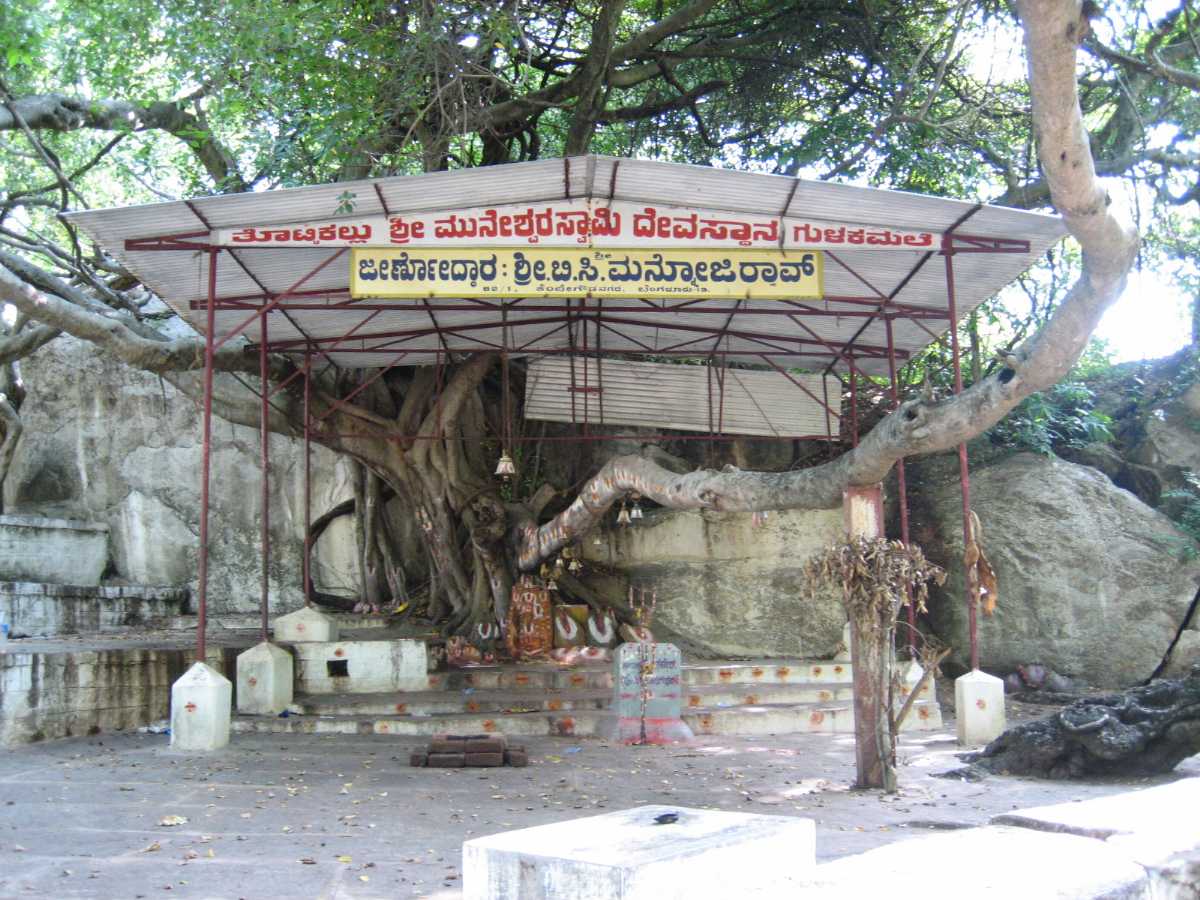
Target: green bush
1064,416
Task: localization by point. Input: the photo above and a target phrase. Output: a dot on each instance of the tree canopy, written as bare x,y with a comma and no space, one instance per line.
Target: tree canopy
149,99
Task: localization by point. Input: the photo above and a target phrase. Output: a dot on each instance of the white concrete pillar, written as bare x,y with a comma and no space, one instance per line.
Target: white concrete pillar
305,624
201,703
264,680
979,708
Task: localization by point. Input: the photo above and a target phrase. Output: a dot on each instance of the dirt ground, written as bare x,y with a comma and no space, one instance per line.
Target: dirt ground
334,816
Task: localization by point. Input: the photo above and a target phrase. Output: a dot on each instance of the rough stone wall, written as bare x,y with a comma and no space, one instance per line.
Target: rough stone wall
729,586
104,442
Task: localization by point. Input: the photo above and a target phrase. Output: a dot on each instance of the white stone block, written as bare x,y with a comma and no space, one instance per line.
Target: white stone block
627,856
359,667
979,708
305,624
201,703
992,863
264,680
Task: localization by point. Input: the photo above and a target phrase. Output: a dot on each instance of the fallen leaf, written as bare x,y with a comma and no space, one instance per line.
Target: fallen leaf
364,877
169,821
191,854
308,861
345,859
150,848
210,854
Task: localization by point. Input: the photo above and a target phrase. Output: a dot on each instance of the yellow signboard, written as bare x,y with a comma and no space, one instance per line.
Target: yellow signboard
579,272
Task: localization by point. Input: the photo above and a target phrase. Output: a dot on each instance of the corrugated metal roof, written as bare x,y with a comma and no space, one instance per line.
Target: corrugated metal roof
808,334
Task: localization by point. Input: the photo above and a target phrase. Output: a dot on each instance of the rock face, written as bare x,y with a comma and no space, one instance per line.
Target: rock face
732,588
1093,582
107,443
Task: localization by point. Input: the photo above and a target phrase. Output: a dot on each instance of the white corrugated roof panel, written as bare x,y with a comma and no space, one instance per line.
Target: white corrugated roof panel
812,335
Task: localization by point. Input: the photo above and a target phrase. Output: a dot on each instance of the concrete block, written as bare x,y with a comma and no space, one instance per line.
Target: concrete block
991,863
1157,828
979,708
361,667
201,704
57,551
648,695
627,856
264,680
305,624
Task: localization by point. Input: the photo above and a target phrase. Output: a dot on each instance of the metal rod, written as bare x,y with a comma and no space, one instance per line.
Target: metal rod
854,403
307,480
265,441
205,462
964,475
901,490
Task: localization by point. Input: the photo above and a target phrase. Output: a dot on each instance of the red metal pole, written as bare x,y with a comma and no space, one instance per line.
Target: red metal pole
265,442
963,473
853,405
206,454
901,487
307,482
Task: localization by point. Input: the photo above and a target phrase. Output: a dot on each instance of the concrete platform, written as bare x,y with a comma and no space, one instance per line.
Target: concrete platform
628,855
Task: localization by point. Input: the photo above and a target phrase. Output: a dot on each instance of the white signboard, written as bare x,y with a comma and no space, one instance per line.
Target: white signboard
577,223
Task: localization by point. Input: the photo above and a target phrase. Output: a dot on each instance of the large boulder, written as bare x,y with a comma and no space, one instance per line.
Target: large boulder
1092,582
108,443
730,583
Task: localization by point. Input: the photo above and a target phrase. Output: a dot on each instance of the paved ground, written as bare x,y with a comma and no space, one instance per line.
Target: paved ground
339,816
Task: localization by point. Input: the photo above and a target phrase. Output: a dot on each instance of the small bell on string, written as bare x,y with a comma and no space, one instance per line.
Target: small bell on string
597,541
636,511
505,467
574,566
623,515
552,585
558,565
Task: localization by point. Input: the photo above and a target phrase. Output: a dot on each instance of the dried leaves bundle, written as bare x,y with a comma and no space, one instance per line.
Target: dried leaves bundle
875,575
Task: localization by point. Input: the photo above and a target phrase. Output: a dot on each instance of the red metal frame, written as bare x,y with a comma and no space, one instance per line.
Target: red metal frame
265,441
206,464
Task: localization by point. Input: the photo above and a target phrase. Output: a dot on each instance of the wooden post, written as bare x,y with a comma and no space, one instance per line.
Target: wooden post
870,656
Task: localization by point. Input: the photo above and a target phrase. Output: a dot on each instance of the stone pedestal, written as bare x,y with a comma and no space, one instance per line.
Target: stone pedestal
979,708
627,855
647,695
201,703
305,624
264,680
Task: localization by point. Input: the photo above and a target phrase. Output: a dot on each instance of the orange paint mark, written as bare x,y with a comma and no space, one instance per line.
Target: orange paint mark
435,681
982,704
489,725
923,713
300,626
401,708
383,728
565,725
339,652
816,670
252,681
756,672
578,681
694,700
782,672
191,707
837,670
750,699
554,705
817,717
472,706
725,674
706,723
825,695
521,678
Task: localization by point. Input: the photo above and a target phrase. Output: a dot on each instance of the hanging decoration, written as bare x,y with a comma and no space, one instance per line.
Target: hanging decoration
635,511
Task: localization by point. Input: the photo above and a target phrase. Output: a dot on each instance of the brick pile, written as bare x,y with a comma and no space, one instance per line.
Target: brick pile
457,751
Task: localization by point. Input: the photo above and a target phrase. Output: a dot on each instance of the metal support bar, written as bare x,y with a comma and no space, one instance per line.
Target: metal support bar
265,441
205,464
963,473
901,489
307,480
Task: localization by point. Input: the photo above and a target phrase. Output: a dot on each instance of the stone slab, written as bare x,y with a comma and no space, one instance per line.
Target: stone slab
991,863
201,704
648,694
265,679
39,609
57,551
627,856
305,624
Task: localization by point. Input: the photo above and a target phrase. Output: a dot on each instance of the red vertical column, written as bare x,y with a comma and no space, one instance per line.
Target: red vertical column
901,486
265,461
307,480
206,455
963,473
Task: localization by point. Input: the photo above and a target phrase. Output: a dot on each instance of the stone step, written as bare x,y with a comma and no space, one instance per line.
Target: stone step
766,671
430,703
595,676
530,724
746,694
797,718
